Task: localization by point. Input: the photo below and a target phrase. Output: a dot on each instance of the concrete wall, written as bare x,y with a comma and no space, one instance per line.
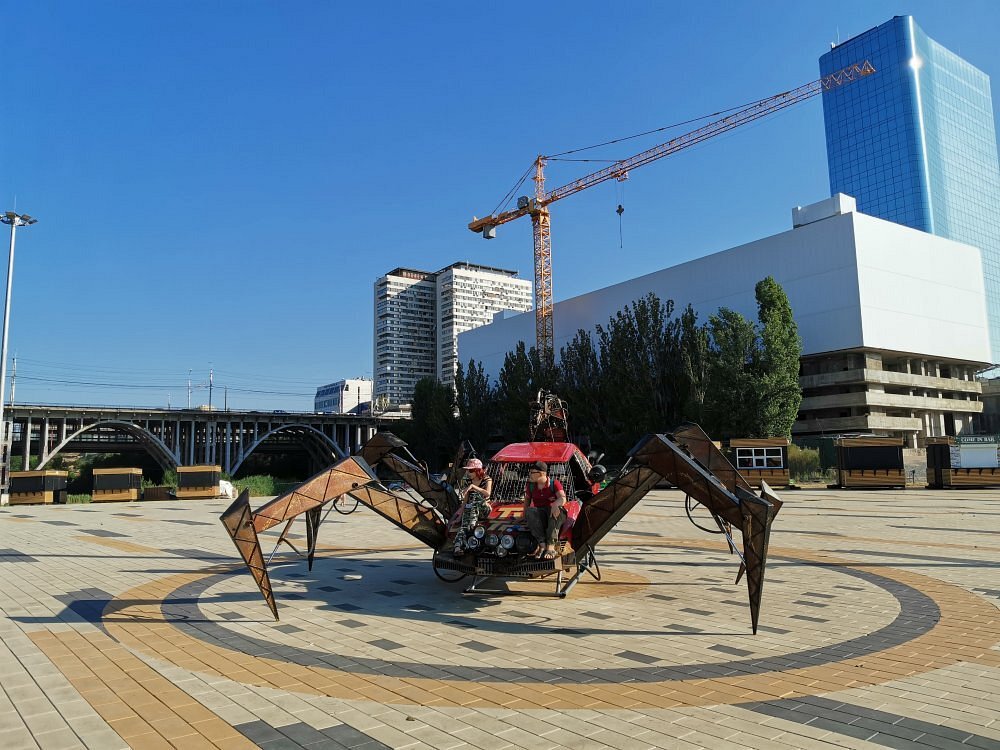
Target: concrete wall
894,288
920,293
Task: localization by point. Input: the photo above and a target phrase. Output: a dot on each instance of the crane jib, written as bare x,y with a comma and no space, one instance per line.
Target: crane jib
536,207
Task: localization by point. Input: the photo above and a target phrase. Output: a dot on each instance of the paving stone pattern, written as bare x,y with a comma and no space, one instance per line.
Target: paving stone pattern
135,626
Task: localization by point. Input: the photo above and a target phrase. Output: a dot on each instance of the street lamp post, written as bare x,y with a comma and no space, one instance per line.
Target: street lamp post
15,221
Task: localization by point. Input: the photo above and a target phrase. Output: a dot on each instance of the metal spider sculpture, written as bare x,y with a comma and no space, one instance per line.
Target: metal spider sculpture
500,545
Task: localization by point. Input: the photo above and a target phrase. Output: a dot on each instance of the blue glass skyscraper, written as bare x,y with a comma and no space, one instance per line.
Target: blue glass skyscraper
916,143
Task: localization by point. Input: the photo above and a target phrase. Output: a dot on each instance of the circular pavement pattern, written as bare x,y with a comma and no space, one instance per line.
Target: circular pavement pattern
886,623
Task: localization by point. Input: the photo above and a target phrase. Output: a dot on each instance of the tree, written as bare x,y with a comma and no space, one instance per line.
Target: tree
476,404
779,394
753,377
514,393
433,429
645,386
581,384
696,362
523,374
730,402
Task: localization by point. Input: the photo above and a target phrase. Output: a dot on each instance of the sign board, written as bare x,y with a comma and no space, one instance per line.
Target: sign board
977,439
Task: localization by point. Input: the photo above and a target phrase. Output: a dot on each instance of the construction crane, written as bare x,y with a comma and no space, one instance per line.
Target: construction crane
538,206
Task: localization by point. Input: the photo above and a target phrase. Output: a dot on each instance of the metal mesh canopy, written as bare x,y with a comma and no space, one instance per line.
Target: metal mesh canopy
511,479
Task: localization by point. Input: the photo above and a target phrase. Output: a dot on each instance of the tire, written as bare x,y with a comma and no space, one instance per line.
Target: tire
445,574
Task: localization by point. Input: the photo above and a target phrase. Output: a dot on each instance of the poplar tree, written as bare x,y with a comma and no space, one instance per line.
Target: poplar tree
779,394
513,393
731,396
696,363
475,402
433,430
583,386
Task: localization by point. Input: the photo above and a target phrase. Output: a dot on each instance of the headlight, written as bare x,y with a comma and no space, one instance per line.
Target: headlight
479,532
492,540
506,542
472,542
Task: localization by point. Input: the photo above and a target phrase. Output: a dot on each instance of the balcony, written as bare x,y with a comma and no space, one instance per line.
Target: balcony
863,423
888,377
891,400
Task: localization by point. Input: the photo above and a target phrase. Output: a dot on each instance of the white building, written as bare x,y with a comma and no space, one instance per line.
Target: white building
418,316
343,396
468,296
404,347
893,320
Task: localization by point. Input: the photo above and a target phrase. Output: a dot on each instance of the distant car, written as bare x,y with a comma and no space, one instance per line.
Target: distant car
279,411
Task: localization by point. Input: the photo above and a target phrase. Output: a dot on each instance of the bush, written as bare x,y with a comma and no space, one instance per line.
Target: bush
803,463
77,499
169,478
263,485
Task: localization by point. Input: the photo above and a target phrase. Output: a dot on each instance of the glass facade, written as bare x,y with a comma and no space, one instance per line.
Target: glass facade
916,143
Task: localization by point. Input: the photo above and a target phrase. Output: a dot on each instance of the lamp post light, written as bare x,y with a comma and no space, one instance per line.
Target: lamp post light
14,220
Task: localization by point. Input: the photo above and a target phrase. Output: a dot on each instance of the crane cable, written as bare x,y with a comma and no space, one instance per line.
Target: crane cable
657,130
620,189
510,193
557,157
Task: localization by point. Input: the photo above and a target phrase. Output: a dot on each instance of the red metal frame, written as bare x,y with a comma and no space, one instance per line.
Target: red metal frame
550,453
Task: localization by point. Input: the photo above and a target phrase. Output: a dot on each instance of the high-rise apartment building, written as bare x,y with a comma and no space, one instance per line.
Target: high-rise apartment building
405,312
916,143
418,316
468,297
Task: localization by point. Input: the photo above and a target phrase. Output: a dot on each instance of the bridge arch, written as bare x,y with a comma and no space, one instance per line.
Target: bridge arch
316,443
153,445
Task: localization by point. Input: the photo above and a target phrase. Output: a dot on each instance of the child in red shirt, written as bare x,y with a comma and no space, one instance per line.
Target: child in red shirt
544,508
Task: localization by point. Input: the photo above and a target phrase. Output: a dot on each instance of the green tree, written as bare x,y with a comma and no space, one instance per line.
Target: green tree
731,396
476,404
581,384
523,374
433,429
514,393
645,387
754,371
779,393
695,343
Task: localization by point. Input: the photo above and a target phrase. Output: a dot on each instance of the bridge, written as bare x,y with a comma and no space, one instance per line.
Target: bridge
182,437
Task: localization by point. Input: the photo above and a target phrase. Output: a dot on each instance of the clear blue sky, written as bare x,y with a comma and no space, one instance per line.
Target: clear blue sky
220,183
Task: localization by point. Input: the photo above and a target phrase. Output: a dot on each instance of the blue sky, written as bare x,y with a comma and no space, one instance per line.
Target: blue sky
220,183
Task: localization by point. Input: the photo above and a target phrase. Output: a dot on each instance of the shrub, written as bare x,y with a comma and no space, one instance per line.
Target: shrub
803,463
169,478
262,485
77,499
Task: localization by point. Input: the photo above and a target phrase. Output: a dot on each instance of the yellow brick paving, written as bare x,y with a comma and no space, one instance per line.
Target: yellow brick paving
880,628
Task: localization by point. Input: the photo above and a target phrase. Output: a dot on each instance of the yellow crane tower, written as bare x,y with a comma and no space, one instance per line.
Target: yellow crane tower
537,206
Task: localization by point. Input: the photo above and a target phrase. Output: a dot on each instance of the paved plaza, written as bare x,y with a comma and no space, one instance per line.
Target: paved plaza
135,625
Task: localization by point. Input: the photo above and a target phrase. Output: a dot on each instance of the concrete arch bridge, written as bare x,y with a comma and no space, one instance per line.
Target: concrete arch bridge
183,437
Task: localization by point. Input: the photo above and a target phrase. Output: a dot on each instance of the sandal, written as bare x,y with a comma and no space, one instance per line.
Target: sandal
550,554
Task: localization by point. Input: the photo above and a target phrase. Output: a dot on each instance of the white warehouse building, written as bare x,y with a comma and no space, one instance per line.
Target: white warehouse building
346,396
892,319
